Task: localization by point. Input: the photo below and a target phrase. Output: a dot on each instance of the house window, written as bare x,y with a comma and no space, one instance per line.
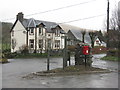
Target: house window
57,32
71,42
40,43
41,30
49,43
97,41
49,35
57,43
13,43
31,31
31,43
12,33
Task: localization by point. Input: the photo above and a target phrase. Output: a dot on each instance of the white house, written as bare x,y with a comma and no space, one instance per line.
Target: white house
98,42
36,35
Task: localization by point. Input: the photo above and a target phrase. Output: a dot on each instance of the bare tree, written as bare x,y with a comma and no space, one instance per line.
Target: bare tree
83,35
92,35
114,24
119,16
114,20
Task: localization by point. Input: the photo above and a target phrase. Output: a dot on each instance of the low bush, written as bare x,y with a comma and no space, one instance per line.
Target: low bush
7,53
3,60
24,49
30,55
112,52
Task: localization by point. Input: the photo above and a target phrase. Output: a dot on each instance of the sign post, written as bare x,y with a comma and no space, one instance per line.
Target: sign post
85,61
86,52
48,57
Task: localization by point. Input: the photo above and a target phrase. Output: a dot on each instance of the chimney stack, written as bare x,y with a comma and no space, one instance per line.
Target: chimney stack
20,16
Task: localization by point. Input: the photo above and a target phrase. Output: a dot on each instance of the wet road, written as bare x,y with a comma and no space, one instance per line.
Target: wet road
13,71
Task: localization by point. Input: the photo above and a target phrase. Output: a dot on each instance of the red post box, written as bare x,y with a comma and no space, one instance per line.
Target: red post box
86,50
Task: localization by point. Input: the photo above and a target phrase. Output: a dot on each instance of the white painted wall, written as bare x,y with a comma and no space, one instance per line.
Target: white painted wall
99,43
30,36
56,38
62,42
19,36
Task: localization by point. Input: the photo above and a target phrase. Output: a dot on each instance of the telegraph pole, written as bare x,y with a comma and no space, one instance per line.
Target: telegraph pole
108,9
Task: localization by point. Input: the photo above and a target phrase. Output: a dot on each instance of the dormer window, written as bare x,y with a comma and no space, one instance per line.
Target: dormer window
41,30
31,31
57,32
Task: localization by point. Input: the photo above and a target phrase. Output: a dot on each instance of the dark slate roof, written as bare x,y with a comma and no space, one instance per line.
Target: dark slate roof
33,23
62,31
87,38
78,35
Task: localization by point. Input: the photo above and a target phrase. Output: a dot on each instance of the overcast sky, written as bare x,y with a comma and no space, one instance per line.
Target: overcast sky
9,9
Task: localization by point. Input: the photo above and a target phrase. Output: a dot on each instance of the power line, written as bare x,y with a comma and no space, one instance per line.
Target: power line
61,8
76,20
53,9
82,19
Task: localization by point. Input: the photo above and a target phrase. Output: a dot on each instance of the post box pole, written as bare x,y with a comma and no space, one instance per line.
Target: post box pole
85,61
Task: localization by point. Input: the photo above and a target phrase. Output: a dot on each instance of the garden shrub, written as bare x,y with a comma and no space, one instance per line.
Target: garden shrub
24,49
112,52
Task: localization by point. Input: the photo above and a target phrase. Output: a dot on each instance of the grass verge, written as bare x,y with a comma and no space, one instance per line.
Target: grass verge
30,55
69,70
3,60
35,55
110,58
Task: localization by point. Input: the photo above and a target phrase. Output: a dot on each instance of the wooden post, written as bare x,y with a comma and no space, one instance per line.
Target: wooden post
48,56
65,53
69,58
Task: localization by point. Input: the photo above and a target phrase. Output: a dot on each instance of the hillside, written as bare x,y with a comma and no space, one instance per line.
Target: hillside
6,32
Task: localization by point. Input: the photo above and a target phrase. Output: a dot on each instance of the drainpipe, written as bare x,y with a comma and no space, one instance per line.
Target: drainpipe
27,38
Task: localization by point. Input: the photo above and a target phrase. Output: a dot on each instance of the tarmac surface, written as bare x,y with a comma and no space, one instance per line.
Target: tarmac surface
12,74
